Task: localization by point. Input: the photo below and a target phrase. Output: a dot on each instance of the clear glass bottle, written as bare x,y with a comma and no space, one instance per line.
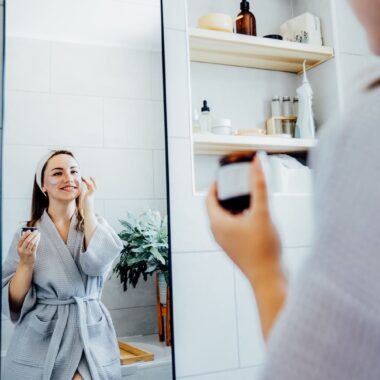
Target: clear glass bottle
205,119
287,112
276,111
245,21
196,123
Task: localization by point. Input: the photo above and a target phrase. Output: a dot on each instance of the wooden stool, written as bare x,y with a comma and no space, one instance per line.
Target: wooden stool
163,311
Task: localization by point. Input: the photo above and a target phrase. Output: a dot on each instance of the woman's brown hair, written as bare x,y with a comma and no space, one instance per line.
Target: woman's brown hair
40,201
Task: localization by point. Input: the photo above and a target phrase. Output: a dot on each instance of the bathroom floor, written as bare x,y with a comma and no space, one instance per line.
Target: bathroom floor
158,369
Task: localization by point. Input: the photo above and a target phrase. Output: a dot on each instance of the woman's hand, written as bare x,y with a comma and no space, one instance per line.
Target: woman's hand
250,239
87,198
27,247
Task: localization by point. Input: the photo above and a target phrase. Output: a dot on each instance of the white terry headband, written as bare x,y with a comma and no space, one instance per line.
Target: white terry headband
39,168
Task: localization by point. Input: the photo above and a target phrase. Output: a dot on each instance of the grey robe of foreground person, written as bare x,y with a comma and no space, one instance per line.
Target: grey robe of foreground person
63,326
330,326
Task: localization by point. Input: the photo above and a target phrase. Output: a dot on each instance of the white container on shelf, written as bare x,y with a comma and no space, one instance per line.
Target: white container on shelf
289,175
221,126
305,28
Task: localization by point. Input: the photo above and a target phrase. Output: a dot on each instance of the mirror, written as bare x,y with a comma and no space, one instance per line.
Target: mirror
84,99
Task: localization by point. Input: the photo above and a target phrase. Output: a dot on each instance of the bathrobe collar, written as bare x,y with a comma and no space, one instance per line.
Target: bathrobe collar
65,251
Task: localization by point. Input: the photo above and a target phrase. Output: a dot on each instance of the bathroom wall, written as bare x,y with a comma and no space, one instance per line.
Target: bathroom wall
356,64
105,103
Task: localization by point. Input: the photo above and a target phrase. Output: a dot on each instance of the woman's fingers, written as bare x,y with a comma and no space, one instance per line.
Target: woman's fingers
31,242
23,237
90,186
219,217
259,194
27,238
213,208
93,182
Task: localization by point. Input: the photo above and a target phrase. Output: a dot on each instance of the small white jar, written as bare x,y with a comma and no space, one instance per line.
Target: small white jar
221,127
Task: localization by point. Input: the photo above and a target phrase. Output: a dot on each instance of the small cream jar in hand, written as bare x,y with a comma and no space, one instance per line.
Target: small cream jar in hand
233,181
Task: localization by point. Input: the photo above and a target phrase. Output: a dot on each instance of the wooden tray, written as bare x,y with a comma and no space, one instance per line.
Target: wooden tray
131,354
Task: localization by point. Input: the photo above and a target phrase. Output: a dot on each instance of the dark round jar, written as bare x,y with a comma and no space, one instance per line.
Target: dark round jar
234,181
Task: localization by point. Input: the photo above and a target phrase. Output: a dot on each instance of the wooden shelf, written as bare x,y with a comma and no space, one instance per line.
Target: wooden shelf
208,143
223,48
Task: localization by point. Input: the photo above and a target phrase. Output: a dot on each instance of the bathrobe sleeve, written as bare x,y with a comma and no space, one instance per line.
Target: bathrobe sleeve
9,269
330,328
102,249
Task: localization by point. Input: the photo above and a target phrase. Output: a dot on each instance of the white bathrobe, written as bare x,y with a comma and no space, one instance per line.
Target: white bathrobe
63,325
329,328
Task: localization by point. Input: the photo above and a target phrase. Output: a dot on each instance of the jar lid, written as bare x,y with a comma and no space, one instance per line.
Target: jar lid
221,123
234,158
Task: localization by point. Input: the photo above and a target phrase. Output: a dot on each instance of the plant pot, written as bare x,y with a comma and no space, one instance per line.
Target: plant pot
163,288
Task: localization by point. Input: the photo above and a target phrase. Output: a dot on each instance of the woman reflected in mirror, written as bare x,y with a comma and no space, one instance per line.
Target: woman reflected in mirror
52,281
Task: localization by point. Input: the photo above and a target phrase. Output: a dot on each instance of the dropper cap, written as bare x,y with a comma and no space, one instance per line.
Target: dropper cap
244,5
205,107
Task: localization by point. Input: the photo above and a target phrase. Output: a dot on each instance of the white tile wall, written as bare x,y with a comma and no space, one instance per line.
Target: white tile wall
325,92
159,173
121,173
26,57
157,77
355,58
177,83
351,35
48,119
175,14
190,229
133,124
18,168
251,342
293,259
251,373
106,105
294,219
352,70
102,71
17,212
206,170
204,313
180,165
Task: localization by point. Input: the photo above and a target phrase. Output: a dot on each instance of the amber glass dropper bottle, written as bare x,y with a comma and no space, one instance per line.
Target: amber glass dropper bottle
245,21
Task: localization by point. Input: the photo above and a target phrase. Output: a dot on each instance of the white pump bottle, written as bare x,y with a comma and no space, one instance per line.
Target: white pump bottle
305,127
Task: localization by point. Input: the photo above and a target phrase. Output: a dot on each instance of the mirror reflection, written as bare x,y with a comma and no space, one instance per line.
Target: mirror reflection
85,251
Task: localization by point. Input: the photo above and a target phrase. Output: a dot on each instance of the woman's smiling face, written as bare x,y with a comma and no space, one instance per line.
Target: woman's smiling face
61,179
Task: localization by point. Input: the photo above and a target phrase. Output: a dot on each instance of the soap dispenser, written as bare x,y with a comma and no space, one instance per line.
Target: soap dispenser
245,21
205,118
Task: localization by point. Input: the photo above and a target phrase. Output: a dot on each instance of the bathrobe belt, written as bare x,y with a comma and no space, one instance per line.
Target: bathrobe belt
59,331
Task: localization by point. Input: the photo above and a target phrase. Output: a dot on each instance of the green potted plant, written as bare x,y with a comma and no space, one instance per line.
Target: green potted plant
145,251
